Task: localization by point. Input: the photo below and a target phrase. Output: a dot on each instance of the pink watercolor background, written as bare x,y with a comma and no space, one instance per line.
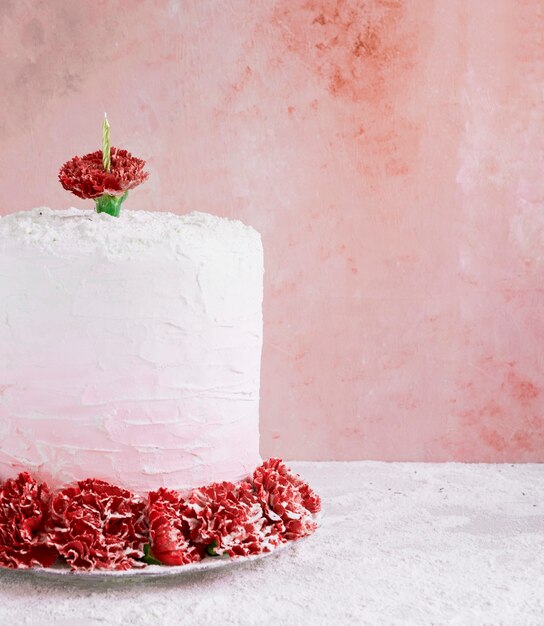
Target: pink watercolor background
389,151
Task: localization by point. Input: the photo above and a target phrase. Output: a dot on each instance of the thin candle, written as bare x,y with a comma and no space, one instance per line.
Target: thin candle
106,159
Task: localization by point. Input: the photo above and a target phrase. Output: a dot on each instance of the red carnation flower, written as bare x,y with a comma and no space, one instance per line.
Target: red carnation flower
169,532
95,525
23,514
86,177
286,498
228,518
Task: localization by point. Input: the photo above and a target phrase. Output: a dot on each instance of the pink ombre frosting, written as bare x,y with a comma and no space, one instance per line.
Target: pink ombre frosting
130,348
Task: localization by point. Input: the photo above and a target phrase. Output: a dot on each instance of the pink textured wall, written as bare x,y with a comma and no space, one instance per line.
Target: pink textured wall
391,154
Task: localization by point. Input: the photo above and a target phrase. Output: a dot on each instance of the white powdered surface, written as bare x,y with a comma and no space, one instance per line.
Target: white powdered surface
400,543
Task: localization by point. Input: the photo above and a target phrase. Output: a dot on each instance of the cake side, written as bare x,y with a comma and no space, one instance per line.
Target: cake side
130,348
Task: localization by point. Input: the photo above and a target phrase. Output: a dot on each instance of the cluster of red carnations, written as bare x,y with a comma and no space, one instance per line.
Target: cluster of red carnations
94,525
86,177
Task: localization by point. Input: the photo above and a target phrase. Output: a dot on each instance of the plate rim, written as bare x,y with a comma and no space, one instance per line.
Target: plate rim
208,563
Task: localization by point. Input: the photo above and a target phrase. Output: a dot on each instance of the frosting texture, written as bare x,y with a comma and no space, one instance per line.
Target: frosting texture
129,348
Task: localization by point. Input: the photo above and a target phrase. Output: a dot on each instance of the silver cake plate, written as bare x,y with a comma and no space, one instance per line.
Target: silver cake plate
149,571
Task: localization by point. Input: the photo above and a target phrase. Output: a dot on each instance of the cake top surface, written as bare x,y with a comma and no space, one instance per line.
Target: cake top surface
131,233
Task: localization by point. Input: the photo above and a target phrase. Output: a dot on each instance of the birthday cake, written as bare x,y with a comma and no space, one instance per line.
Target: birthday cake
130,348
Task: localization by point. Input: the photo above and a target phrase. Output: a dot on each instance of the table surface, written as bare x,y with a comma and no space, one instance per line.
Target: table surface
399,543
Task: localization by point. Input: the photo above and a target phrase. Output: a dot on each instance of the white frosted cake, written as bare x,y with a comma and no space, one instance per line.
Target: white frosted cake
130,353
130,347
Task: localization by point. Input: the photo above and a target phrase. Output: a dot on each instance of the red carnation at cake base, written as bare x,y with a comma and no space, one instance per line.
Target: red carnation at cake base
24,507
169,532
229,519
94,525
286,499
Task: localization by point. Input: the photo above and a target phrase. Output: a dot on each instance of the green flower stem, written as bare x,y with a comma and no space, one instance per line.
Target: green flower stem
110,204
148,556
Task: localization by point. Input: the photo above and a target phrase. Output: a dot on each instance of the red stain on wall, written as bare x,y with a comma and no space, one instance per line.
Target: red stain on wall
355,48
240,84
363,55
521,389
500,417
